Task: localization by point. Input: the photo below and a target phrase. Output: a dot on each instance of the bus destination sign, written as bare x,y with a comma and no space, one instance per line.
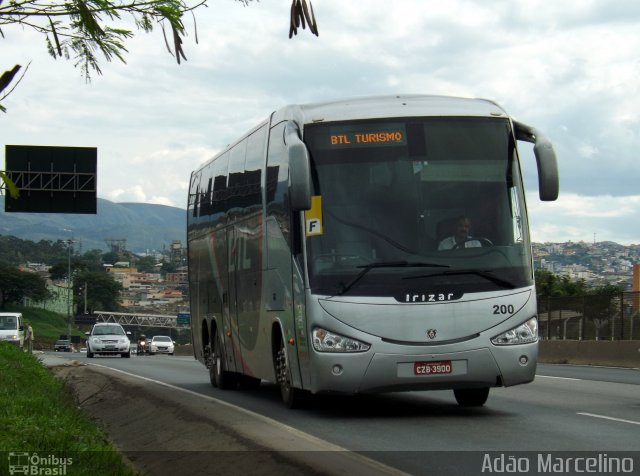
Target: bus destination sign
366,136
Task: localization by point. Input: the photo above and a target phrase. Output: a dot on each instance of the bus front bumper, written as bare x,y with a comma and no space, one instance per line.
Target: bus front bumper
373,372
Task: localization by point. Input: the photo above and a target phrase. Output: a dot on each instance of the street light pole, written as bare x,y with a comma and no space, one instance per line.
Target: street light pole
85,297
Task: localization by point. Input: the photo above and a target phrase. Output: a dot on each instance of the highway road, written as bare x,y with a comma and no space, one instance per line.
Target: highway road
566,409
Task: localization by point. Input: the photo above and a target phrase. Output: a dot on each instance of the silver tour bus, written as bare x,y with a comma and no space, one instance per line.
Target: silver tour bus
368,245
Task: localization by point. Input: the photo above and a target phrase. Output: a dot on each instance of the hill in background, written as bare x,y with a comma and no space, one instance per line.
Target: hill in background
145,226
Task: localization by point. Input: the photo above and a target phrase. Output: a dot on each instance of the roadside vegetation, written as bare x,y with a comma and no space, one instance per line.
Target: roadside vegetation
93,288
40,415
47,326
549,284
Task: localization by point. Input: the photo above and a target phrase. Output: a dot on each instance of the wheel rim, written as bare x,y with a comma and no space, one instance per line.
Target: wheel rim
217,358
218,364
282,372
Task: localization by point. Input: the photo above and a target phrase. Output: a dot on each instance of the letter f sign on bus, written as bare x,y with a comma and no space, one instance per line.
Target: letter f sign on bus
313,217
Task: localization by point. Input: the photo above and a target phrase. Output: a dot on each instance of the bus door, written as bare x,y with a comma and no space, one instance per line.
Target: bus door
285,296
299,302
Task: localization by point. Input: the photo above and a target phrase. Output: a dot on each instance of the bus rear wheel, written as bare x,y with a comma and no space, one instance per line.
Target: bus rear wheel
291,397
471,397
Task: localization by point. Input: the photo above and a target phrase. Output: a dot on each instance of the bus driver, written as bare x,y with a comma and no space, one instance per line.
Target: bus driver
461,237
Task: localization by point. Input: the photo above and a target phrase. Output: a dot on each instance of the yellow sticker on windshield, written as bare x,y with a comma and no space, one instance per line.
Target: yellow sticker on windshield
313,217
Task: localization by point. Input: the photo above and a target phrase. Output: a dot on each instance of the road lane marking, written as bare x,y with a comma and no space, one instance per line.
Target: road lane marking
561,378
604,417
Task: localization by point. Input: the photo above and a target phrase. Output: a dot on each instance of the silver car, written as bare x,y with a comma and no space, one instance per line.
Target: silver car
108,338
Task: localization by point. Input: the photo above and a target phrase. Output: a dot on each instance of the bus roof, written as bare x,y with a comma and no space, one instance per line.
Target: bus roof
389,106
374,107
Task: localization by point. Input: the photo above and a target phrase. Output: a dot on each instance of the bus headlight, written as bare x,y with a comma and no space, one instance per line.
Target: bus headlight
325,341
523,334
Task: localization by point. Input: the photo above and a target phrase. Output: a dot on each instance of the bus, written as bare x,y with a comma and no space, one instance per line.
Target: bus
317,257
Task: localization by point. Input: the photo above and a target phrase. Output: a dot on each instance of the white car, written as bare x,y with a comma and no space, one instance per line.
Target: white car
161,345
108,338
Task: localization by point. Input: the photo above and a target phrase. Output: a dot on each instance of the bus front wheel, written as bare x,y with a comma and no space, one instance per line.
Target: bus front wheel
291,397
471,397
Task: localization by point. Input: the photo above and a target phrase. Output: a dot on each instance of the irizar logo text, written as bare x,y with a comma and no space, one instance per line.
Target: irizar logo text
430,297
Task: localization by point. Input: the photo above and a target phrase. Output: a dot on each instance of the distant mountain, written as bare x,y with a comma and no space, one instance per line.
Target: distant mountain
144,226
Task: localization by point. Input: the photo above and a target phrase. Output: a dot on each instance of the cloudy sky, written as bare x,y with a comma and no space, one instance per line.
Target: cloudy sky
569,67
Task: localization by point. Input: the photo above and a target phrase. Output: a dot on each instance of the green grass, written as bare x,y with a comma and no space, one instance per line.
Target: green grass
39,415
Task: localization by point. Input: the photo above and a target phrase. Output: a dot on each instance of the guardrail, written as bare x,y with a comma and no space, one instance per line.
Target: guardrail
619,353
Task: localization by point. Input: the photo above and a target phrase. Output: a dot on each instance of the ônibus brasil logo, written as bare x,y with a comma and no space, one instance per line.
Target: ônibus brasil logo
36,465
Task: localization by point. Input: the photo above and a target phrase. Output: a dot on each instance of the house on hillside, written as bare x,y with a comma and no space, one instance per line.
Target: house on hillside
61,300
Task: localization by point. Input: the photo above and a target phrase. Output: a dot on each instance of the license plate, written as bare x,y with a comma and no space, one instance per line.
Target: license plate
109,346
432,368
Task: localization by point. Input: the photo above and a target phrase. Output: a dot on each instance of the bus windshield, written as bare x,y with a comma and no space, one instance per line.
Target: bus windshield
406,206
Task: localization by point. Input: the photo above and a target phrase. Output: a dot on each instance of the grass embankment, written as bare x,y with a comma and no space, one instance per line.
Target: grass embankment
47,326
40,416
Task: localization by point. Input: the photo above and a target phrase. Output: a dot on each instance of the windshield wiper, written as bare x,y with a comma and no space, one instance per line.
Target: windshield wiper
388,264
485,273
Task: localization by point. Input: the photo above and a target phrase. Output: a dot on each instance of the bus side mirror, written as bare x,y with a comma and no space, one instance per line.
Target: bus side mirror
299,169
548,181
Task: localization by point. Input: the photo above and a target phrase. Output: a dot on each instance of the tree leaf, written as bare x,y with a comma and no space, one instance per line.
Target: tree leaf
8,76
55,37
10,186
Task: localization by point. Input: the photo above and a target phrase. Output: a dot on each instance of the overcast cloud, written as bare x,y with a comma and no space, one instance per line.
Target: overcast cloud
570,68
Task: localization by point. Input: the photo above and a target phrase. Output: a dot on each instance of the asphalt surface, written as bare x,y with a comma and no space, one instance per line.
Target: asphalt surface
593,411
211,432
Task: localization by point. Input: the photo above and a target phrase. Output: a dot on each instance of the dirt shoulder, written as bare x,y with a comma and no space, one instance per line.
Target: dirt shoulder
161,431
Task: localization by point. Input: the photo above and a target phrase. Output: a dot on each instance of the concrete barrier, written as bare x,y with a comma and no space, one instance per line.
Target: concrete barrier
606,353
184,350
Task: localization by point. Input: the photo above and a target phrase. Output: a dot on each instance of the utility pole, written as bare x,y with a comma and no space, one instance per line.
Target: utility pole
85,297
69,283
69,244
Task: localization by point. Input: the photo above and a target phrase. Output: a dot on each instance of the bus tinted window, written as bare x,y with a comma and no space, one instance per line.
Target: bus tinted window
392,191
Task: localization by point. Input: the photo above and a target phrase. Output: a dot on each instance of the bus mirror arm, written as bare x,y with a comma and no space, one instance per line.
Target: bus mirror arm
548,181
299,169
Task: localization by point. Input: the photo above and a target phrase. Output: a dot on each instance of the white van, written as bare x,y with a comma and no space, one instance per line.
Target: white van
12,328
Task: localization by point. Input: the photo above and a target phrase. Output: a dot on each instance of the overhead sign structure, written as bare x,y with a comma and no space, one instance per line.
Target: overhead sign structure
183,318
85,319
52,179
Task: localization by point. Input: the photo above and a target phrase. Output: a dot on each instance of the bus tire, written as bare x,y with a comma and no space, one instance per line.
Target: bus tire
471,397
292,397
217,374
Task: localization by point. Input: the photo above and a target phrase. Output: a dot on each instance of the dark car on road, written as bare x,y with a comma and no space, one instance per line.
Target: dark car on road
62,345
